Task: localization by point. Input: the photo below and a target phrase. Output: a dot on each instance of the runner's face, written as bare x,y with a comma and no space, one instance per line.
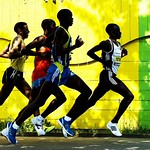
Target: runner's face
69,19
25,32
51,28
116,32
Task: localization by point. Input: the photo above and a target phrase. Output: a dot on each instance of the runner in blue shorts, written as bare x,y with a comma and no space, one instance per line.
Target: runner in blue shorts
57,76
58,73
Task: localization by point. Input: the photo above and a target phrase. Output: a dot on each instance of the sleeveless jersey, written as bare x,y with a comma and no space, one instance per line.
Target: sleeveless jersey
65,58
114,56
41,64
18,63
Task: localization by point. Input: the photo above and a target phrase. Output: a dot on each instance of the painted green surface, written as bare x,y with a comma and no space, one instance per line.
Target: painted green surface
144,69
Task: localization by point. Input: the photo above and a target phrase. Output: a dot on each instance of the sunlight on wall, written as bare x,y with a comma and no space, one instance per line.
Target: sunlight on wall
90,20
144,6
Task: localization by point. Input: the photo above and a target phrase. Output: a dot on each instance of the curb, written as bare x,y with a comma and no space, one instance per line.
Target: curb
87,133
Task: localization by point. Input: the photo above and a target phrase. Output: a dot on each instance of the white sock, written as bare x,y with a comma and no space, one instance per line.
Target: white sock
40,117
67,118
15,126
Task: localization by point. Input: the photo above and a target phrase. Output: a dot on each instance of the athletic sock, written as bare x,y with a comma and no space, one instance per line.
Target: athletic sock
40,117
67,118
15,126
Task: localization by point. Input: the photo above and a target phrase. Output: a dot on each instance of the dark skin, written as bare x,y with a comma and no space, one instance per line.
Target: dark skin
62,37
114,34
23,86
38,43
106,46
73,82
4,53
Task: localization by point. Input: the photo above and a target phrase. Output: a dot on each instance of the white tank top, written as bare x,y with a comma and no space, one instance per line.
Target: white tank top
115,56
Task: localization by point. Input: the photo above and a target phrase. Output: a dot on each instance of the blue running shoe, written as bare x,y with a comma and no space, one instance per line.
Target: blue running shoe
64,133
12,134
66,126
4,132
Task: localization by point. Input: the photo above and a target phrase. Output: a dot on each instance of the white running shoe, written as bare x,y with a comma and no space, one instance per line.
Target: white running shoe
38,125
113,127
4,132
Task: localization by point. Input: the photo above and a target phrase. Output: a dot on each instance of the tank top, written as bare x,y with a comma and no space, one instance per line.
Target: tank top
65,58
18,63
114,56
41,64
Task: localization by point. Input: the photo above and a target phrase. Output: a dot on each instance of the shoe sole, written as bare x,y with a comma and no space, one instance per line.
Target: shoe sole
63,129
64,133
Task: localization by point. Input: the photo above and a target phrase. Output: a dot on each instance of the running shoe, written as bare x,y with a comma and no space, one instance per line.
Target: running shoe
11,133
38,125
64,132
113,127
4,132
66,126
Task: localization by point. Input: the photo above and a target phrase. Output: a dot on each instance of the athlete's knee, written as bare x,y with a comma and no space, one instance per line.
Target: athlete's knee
129,97
28,94
89,92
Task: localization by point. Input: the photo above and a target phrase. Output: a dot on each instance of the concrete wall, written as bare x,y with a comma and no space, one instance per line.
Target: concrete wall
90,20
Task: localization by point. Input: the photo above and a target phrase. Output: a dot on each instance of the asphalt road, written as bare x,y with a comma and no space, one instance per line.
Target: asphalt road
76,143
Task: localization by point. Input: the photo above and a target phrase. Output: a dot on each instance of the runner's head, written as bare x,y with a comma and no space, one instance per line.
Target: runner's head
113,31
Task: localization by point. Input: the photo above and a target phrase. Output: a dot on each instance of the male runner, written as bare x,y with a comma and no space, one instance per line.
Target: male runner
112,52
58,73
13,76
42,62
41,65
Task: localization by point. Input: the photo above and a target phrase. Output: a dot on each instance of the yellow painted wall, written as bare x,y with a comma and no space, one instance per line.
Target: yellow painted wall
90,19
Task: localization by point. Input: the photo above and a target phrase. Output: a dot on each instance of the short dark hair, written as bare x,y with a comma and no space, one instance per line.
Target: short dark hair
63,13
19,25
47,22
110,27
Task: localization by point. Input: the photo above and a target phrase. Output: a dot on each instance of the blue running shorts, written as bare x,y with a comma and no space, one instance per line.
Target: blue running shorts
37,83
58,74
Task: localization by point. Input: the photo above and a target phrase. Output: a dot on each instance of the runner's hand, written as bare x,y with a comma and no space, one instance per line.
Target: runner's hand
79,42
